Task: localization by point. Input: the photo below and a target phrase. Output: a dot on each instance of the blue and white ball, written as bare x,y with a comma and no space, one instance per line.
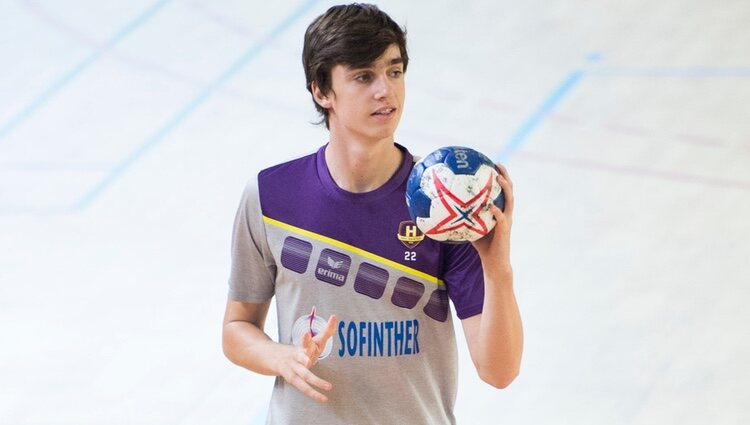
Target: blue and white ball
449,193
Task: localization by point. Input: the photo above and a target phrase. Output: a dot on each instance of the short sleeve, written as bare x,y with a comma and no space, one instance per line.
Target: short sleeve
253,268
464,278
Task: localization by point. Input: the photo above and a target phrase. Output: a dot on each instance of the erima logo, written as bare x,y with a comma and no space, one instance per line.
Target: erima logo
334,264
409,234
333,267
332,274
461,158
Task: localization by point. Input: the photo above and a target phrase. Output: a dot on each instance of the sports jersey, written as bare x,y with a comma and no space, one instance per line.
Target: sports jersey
392,360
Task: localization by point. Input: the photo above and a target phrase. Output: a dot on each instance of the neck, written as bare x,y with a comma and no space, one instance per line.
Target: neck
362,167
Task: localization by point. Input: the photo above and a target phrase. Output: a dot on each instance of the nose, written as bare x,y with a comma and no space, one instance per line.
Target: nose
383,87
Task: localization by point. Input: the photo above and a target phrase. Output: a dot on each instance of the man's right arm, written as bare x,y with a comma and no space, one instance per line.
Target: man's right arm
246,345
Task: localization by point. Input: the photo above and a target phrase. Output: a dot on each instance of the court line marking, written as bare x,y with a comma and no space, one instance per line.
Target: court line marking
536,118
50,92
54,166
513,144
694,72
177,119
635,171
546,108
84,39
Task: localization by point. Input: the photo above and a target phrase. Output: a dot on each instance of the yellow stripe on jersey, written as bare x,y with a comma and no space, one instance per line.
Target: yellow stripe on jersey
353,249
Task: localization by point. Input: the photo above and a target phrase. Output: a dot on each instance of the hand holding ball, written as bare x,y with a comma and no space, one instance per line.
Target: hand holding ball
449,193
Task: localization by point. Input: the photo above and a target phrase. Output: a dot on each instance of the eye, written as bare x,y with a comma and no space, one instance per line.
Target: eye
363,78
395,73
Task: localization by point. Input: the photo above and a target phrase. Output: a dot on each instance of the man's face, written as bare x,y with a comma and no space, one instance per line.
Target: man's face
366,103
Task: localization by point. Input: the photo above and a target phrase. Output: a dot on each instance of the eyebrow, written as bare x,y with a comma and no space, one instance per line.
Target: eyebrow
394,61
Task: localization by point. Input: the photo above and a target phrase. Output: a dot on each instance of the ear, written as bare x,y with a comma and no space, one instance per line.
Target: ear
320,98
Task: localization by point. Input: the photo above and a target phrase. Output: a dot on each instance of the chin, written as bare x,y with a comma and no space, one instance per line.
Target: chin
385,132
382,135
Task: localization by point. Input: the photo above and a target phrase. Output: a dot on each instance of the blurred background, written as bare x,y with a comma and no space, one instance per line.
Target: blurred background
129,128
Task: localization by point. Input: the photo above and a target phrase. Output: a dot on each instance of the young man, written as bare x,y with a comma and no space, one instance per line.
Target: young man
321,233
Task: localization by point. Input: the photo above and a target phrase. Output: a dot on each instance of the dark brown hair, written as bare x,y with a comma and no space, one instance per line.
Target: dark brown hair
354,35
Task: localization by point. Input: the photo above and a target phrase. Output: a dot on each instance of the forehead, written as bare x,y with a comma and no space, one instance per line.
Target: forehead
391,56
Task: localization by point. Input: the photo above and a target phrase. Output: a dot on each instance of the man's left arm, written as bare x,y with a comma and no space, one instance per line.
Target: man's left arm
495,336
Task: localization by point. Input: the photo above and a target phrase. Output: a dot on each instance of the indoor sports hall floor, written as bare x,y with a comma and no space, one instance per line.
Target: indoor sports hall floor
128,130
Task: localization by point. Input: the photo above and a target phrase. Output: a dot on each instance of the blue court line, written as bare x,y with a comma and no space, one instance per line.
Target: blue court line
536,118
69,76
574,77
695,72
52,166
29,211
190,107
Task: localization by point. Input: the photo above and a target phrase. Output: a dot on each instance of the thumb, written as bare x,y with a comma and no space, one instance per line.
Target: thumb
310,346
306,340
328,332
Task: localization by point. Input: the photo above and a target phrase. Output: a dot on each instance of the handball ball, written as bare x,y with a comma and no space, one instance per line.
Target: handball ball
449,193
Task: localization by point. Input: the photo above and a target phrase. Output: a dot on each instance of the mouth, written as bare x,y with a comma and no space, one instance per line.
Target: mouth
385,111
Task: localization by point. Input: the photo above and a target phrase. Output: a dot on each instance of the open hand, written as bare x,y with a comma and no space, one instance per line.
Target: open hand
295,364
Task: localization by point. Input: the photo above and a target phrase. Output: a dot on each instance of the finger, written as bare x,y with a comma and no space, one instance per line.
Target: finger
299,383
504,173
310,346
507,189
312,378
306,340
312,351
502,179
322,338
303,359
497,213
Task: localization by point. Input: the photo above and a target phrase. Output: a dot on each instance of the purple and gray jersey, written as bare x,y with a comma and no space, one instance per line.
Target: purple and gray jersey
392,359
